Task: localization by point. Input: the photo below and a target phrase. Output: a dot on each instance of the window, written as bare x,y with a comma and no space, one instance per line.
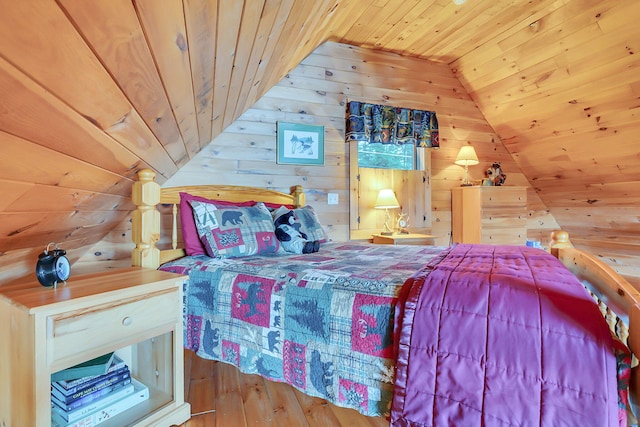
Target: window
386,156
391,156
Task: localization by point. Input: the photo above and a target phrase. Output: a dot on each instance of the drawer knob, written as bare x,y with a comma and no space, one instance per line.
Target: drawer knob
127,321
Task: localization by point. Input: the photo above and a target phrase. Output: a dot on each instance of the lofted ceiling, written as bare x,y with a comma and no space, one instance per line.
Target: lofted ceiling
92,91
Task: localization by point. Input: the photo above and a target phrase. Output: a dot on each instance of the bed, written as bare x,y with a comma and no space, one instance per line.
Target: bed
459,335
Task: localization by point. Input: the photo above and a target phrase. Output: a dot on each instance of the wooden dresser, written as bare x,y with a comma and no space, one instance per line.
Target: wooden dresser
492,215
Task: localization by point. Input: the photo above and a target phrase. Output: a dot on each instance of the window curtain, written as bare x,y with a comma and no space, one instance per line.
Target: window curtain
383,124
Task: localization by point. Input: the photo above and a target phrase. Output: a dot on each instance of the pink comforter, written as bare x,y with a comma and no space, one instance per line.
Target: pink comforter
501,335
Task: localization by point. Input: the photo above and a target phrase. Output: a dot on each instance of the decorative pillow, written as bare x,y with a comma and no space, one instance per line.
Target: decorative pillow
190,237
234,231
288,231
310,224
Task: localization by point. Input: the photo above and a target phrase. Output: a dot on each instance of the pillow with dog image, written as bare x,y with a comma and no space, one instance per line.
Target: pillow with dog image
311,224
288,230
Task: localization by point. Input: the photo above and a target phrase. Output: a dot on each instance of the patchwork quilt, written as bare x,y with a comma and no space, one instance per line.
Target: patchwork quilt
322,322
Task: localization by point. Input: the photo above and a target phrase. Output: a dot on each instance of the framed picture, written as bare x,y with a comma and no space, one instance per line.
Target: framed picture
300,144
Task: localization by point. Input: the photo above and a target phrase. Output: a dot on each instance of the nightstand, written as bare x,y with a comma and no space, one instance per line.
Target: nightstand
404,239
135,312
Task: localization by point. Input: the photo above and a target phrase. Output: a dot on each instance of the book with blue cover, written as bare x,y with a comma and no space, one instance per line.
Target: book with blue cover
70,403
84,410
71,386
108,410
97,383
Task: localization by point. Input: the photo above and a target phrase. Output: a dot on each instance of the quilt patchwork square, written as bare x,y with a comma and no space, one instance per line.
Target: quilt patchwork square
307,315
251,299
372,325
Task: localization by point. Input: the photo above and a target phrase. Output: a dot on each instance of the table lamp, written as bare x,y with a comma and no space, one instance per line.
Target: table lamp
466,157
386,200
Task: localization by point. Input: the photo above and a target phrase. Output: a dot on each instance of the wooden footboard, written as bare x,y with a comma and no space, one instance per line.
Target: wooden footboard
619,301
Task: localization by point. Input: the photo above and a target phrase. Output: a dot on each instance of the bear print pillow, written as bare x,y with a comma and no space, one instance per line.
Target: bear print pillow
232,231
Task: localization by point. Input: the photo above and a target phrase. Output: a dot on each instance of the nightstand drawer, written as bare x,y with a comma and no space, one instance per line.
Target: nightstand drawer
107,325
404,239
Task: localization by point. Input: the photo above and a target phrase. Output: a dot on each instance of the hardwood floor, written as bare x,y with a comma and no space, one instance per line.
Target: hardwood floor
222,396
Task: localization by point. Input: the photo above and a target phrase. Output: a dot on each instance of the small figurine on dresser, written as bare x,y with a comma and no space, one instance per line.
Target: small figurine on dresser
496,177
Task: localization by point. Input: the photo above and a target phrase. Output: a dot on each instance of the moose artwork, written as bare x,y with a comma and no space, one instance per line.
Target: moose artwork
300,144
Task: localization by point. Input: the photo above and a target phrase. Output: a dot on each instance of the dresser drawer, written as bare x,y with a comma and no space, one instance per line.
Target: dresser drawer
514,219
504,236
499,197
109,326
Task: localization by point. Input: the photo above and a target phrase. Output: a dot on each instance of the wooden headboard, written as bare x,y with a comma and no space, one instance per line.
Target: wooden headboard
147,195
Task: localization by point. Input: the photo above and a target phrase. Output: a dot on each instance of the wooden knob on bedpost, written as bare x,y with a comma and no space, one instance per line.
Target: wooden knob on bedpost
145,228
298,195
559,239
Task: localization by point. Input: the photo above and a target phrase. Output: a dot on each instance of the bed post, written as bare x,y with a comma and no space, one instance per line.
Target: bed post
145,229
559,240
298,195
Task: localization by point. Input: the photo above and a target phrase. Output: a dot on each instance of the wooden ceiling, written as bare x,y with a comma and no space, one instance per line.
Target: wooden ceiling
92,91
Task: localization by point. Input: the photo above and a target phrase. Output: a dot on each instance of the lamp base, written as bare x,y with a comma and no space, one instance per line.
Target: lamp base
466,185
386,233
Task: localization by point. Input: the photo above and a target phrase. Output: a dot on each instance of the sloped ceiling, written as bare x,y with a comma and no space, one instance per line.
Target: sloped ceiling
90,92
559,84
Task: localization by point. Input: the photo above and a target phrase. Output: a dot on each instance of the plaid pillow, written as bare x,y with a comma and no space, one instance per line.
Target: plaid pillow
190,237
233,231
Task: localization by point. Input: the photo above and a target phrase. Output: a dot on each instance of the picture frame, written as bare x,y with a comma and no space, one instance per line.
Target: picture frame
300,144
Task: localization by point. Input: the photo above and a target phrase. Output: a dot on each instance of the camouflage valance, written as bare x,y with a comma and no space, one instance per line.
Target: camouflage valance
383,124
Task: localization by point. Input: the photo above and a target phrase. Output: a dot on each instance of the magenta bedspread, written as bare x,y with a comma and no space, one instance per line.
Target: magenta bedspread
501,335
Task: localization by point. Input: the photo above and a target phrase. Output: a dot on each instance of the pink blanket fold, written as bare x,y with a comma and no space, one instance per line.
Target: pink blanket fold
501,335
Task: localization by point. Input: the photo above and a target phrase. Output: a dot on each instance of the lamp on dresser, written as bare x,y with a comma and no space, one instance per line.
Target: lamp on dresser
466,157
386,200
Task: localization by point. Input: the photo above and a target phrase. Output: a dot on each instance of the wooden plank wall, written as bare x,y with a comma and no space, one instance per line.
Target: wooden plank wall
316,92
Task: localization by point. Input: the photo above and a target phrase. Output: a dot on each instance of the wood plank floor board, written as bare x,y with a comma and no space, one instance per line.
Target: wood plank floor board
257,405
221,396
317,411
286,407
201,396
229,405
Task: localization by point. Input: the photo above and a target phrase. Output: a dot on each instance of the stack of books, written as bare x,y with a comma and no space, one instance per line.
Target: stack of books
92,392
